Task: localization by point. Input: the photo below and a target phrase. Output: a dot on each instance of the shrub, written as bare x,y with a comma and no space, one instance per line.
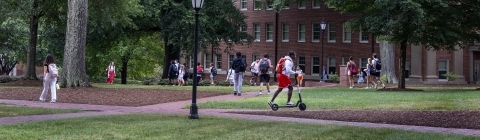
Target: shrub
384,78
450,76
223,83
333,77
161,81
7,79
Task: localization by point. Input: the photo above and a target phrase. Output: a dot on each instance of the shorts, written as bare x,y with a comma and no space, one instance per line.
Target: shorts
211,75
300,78
265,78
254,74
284,81
173,76
377,74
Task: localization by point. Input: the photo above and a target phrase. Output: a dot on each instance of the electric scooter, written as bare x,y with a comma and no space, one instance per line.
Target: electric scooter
302,106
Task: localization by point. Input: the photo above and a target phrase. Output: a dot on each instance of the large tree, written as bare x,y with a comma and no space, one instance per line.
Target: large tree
73,71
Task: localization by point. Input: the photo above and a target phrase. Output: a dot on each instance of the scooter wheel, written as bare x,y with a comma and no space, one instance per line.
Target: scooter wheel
274,107
302,106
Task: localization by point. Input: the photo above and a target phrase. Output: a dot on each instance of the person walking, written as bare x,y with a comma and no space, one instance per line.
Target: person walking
50,74
181,74
199,72
230,76
351,71
377,64
186,75
264,65
285,69
299,74
240,66
213,73
111,72
172,73
254,70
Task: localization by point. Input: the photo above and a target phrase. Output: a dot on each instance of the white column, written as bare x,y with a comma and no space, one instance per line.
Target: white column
432,69
458,66
415,64
470,62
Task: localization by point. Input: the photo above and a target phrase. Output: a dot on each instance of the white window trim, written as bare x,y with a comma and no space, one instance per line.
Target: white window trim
304,32
343,60
255,6
362,66
328,33
241,5
360,38
343,34
283,31
319,63
313,5
230,65
269,7
446,69
304,5
255,32
216,61
266,32
320,32
328,64
241,30
304,65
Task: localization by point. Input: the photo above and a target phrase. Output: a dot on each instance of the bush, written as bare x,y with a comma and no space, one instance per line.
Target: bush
8,79
450,76
333,77
161,81
384,78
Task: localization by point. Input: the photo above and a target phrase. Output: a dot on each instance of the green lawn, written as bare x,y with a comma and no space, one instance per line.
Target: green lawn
156,126
365,99
12,111
224,89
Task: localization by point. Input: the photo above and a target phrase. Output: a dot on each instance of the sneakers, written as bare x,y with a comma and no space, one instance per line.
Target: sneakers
234,93
260,93
351,87
42,100
251,83
239,94
268,92
290,104
383,85
53,101
366,87
270,103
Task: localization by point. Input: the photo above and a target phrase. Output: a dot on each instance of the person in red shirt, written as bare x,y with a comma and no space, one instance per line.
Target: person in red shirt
199,72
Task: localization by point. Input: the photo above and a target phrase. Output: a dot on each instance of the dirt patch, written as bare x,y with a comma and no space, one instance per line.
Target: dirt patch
446,119
105,96
398,89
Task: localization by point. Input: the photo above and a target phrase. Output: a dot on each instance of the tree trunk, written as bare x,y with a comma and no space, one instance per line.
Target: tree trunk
74,72
403,55
170,54
124,70
32,43
387,55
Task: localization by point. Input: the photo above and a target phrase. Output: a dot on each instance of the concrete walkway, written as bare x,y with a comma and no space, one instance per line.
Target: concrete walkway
176,108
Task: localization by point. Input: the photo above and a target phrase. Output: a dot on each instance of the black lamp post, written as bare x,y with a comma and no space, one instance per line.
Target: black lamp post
197,5
323,31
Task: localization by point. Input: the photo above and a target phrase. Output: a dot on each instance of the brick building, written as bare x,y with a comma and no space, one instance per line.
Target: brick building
297,28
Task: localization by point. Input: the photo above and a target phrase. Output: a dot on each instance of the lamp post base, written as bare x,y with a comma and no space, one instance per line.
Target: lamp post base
193,112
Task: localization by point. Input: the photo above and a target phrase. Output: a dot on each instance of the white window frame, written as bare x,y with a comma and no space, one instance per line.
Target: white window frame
285,32
269,32
269,5
206,63
316,65
362,64
243,5
301,32
192,64
319,32
302,5
330,64
440,69
243,29
316,2
230,60
360,38
255,5
332,31
345,60
218,61
347,31
256,32
300,64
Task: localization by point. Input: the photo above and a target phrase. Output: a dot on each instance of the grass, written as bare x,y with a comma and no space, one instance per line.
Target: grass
156,126
224,89
13,111
365,99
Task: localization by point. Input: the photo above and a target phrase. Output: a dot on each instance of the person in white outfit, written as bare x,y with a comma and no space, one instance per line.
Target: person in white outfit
50,73
230,76
181,73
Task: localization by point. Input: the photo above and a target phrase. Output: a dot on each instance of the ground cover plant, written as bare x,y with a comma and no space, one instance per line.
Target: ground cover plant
156,126
13,111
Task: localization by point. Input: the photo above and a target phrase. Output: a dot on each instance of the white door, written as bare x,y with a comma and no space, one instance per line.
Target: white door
476,71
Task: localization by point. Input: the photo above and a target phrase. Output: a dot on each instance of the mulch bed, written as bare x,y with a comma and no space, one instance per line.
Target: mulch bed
446,119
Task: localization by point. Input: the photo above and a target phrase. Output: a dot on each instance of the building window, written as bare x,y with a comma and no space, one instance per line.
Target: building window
257,5
191,62
347,33
332,32
230,60
363,63
243,29
285,31
363,37
269,4
407,68
332,67
315,65
301,5
255,56
206,62
442,68
345,60
315,4
257,32
316,32
218,61
301,63
269,32
243,4
301,32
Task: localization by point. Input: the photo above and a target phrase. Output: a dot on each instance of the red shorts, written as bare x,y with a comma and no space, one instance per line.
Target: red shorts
283,81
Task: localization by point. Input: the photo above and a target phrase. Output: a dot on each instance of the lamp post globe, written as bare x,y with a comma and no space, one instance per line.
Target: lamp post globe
197,5
323,25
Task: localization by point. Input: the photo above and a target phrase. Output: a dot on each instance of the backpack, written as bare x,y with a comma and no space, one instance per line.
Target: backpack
187,73
353,69
214,71
52,69
280,65
264,65
378,64
240,64
371,69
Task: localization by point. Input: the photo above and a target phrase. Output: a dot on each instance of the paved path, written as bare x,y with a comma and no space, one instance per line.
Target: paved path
176,108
